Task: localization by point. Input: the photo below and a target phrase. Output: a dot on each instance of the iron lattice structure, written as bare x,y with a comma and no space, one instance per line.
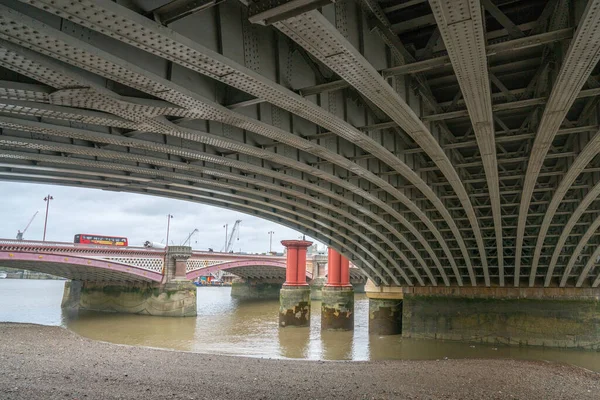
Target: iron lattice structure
431,142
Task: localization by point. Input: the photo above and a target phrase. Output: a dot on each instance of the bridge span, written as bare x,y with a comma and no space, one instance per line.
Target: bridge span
446,148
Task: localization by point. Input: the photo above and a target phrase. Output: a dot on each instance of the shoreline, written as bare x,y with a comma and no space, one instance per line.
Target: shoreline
46,362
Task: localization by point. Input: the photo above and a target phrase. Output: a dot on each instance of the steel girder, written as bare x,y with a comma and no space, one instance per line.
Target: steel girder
410,193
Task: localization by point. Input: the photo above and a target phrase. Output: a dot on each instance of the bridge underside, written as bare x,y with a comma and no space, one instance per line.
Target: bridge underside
78,268
433,143
76,272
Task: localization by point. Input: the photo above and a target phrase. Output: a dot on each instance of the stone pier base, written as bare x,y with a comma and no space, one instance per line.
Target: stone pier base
385,316
294,306
337,308
549,317
255,290
175,299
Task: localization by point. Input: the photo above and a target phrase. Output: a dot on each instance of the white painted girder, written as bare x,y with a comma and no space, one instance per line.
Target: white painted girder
578,63
316,34
111,67
164,42
461,27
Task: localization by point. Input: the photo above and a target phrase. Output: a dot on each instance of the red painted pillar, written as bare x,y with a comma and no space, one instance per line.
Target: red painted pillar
344,271
333,267
291,265
294,297
301,265
295,274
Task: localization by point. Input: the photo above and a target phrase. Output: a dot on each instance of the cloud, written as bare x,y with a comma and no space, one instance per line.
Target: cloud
137,217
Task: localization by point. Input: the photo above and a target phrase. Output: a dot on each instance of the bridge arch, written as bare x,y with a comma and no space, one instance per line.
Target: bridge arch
77,267
254,269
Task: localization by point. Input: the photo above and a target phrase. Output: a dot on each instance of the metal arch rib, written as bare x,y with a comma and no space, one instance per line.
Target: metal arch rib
583,159
588,266
112,139
176,48
461,27
154,146
269,205
136,143
202,137
591,196
338,54
582,243
237,204
219,113
231,177
580,60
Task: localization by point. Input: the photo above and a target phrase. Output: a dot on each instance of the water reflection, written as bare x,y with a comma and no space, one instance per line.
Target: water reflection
138,330
228,326
294,342
337,345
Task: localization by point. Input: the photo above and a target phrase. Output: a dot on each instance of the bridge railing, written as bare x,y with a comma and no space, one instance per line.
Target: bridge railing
68,244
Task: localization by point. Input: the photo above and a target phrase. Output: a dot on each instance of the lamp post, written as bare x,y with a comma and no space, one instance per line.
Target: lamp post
47,200
169,217
225,246
270,241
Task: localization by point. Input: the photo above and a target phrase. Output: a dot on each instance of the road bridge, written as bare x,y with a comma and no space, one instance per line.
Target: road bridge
133,265
444,147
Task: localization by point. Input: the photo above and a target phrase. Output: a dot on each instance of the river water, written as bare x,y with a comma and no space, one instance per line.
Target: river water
227,326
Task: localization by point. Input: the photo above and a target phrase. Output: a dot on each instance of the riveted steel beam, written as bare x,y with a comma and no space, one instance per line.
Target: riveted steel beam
580,60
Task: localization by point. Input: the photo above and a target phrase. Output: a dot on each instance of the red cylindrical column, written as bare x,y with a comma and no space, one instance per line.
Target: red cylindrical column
344,271
333,267
295,274
301,266
291,266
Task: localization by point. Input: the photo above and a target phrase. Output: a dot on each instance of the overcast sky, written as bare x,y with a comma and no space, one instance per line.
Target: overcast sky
137,217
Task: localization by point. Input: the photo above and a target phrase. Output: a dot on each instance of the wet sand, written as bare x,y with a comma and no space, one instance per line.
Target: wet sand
42,362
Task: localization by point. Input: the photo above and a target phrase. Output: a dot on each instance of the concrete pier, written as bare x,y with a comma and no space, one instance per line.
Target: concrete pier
337,307
294,306
175,299
385,316
550,317
175,296
294,298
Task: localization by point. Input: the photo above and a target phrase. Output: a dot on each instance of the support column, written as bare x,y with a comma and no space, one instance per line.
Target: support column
385,309
337,307
175,296
294,298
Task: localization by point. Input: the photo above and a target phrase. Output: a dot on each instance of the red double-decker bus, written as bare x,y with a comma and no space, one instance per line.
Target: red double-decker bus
85,238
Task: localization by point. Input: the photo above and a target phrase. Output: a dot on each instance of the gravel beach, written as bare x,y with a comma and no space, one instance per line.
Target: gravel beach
41,362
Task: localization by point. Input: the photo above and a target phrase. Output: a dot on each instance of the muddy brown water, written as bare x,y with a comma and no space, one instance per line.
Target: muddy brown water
227,326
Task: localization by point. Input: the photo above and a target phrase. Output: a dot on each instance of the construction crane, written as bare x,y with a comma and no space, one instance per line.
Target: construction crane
234,231
19,233
190,236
